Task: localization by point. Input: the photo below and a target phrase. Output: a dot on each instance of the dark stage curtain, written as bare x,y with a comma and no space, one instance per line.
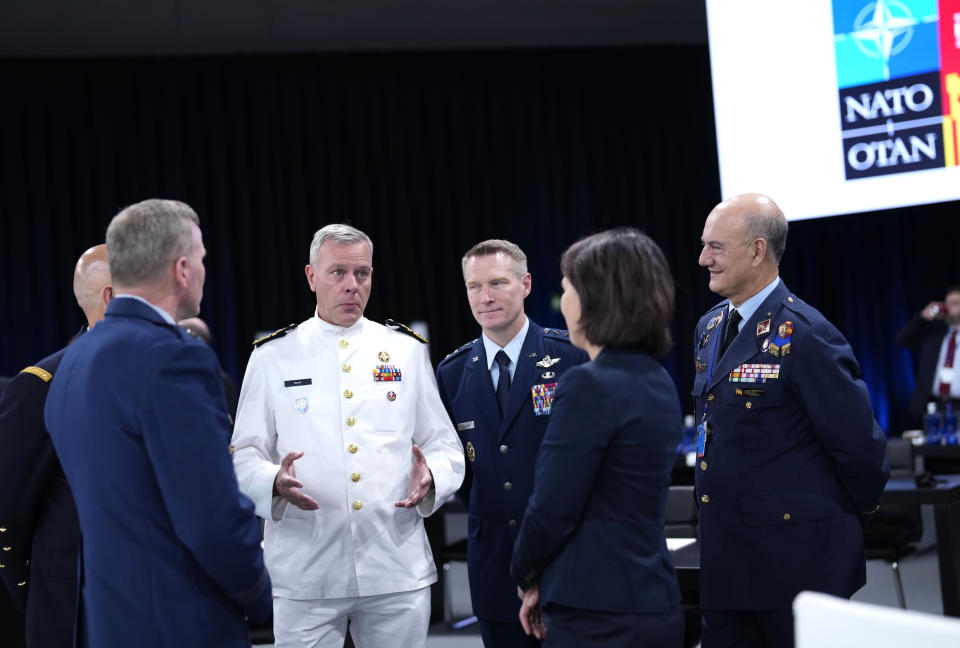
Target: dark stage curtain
429,152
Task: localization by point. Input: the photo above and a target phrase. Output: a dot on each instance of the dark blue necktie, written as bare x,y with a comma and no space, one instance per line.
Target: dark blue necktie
503,382
733,327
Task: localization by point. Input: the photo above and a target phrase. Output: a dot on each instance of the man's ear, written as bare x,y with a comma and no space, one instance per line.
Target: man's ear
310,277
106,294
759,251
180,271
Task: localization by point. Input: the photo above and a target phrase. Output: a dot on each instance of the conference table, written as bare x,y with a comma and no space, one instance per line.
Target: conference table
945,498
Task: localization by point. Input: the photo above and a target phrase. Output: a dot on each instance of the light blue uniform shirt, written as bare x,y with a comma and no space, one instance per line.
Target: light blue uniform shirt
749,307
512,350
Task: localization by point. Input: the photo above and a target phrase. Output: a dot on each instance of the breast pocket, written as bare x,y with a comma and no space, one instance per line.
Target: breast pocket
754,412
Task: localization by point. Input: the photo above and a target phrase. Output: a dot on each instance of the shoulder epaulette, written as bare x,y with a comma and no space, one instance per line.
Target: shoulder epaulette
461,349
273,336
42,374
800,307
403,328
559,334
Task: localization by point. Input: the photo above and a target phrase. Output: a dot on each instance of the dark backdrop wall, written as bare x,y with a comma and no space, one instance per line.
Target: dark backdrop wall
429,153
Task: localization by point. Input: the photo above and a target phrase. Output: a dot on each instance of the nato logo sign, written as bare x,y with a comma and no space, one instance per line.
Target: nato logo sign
898,72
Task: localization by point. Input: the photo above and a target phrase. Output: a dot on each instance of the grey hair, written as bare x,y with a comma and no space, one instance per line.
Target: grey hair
145,238
772,227
498,246
339,233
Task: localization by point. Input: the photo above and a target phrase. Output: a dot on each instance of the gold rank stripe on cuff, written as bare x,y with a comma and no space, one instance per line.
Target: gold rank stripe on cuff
42,374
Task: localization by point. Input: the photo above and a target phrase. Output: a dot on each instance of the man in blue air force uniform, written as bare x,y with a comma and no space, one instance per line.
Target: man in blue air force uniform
790,458
498,390
136,412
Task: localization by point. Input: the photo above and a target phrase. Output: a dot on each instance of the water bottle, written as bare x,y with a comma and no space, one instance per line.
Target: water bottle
949,426
932,426
688,442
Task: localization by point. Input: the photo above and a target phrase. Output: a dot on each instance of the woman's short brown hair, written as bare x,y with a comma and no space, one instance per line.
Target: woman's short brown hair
625,287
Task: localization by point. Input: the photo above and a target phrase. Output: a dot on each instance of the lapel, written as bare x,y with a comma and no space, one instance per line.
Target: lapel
477,382
747,343
525,375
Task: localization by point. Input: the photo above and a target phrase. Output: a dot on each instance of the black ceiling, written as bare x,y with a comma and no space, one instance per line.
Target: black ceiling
68,28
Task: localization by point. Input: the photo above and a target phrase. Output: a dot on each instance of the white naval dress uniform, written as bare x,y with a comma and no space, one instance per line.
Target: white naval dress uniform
314,390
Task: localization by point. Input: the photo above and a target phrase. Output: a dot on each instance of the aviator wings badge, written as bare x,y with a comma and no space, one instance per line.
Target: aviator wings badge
547,361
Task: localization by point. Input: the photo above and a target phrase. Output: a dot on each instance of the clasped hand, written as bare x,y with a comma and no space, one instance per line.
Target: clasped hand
530,617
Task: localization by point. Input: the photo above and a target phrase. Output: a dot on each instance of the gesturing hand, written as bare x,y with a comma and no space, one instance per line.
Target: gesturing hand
421,481
287,486
530,617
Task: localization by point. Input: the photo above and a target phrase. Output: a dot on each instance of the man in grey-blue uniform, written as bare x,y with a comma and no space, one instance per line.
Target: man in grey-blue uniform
790,458
498,390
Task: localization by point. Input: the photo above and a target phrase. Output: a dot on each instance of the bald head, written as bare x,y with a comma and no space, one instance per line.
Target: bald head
197,328
760,218
91,283
743,240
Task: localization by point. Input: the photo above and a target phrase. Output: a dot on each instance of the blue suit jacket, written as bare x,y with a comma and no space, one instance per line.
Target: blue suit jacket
171,549
37,513
593,535
788,462
499,452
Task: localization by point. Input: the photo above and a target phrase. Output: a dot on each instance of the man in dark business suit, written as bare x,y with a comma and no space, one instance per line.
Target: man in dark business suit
501,412
790,458
929,332
171,549
199,329
38,519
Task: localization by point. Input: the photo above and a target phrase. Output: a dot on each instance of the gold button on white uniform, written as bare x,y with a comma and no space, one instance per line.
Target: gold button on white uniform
348,393
347,367
355,477
344,344
357,505
351,421
352,448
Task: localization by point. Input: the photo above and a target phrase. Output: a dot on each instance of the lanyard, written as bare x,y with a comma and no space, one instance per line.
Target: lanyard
713,356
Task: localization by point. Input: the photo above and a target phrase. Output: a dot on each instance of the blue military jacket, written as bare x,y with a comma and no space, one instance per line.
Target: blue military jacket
171,548
501,453
39,530
792,457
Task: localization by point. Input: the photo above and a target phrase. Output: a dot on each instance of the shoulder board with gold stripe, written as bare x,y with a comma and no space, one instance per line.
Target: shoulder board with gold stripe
273,336
42,374
403,328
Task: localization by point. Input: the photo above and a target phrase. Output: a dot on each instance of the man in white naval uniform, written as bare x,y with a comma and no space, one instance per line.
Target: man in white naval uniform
355,405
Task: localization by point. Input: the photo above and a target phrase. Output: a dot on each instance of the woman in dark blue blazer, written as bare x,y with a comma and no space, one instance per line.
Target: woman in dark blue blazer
591,552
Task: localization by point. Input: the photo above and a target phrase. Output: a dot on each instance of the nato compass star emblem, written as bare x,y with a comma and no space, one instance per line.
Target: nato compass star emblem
883,29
